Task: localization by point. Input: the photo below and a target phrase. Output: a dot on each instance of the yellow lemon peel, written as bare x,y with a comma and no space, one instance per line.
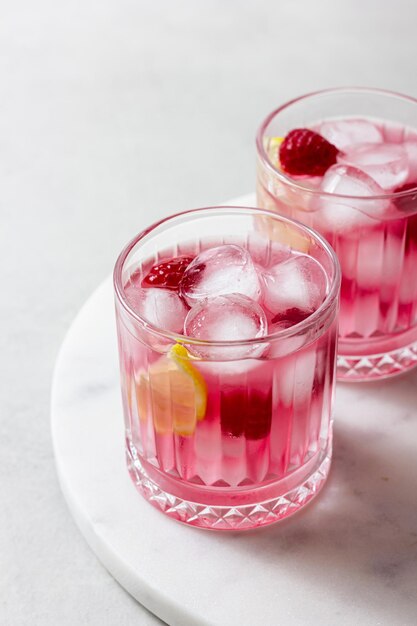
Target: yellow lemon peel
173,392
274,142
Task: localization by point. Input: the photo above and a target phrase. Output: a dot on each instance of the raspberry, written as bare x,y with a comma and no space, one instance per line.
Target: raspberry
411,233
246,412
167,274
406,203
290,317
305,152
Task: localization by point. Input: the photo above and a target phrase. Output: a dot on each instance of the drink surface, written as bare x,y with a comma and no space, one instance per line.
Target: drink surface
236,415
358,194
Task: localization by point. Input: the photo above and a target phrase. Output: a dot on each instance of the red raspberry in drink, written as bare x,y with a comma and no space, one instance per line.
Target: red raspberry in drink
167,274
305,152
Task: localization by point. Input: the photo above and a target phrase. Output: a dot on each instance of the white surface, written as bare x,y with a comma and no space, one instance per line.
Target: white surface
349,558
113,113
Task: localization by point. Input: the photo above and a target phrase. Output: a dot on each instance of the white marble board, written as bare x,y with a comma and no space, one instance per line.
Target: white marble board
349,558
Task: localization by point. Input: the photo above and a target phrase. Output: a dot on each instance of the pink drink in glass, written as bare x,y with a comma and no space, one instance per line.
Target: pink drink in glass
227,364
365,205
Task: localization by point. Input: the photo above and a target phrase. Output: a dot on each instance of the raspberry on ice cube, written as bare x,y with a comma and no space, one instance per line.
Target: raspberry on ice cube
232,317
305,152
167,274
220,271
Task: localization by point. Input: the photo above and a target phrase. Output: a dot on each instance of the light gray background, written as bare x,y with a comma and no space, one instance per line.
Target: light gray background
114,113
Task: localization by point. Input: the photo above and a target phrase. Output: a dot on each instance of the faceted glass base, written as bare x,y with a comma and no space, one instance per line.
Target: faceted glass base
356,368
246,511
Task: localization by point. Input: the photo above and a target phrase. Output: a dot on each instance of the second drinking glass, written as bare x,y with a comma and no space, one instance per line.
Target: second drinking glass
344,162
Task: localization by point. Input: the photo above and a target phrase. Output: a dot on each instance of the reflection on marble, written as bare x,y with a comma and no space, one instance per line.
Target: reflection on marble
349,558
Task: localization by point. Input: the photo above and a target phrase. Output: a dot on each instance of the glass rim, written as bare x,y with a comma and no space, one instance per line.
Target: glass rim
315,192
302,326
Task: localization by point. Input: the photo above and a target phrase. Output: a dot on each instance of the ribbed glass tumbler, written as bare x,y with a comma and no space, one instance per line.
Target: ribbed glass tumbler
228,434
365,205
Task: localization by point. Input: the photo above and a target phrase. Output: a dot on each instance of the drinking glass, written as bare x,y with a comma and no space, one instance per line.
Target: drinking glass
374,236
232,434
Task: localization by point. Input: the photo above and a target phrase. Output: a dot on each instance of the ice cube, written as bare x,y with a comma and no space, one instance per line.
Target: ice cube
232,317
294,289
345,133
161,307
220,271
386,163
410,148
357,209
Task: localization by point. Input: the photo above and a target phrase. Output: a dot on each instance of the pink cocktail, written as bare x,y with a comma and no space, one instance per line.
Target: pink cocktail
227,324
354,179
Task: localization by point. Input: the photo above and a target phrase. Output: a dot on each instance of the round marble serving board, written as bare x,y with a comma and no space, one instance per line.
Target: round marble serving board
349,558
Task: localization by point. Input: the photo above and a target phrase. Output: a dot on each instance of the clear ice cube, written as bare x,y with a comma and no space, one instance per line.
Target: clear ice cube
386,163
220,271
293,290
335,213
232,317
161,307
345,133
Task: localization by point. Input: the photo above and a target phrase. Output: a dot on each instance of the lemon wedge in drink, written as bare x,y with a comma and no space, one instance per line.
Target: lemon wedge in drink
271,145
181,357
173,392
274,142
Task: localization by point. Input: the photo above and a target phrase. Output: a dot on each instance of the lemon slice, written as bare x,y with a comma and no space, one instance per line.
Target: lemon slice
271,145
274,142
173,393
181,357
